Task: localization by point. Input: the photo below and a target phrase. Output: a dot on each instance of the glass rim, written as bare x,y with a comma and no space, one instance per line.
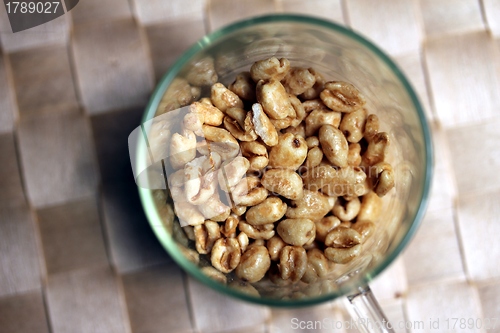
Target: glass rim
167,240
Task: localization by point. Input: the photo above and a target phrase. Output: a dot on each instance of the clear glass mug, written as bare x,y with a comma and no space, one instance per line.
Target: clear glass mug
339,54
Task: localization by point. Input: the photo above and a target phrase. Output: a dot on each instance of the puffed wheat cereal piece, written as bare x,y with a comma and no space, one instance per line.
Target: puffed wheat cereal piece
284,182
224,98
342,96
268,211
270,69
297,231
313,205
202,73
289,153
254,264
274,100
293,263
243,86
263,126
226,254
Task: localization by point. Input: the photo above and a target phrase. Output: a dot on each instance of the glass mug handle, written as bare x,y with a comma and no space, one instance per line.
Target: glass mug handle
367,313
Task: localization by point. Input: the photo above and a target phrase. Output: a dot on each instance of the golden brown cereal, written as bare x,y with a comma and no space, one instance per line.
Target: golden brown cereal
280,124
342,237
177,194
256,154
319,177
298,80
226,254
382,178
317,88
274,99
268,211
261,241
371,207
364,228
203,147
297,231
178,94
325,225
313,205
270,69
300,112
353,124
237,114
211,163
238,210
354,157
243,241
371,127
159,136
263,231
195,92
193,122
347,211
205,236
315,104
377,148
202,73
310,152
317,118
190,254
297,130
237,131
334,145
317,266
254,264
293,263
342,96
166,213
221,141
224,98
284,182
249,192
261,124
342,255
243,86
314,157
245,288
312,245
289,153
312,142
274,246
229,227
349,182
345,224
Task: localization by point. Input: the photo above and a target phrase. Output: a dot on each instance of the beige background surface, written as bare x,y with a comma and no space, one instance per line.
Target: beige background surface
76,254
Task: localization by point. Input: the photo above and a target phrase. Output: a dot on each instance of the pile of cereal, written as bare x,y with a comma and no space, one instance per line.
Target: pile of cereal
279,172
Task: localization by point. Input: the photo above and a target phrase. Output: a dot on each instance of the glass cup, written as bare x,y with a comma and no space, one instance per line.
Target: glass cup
339,54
